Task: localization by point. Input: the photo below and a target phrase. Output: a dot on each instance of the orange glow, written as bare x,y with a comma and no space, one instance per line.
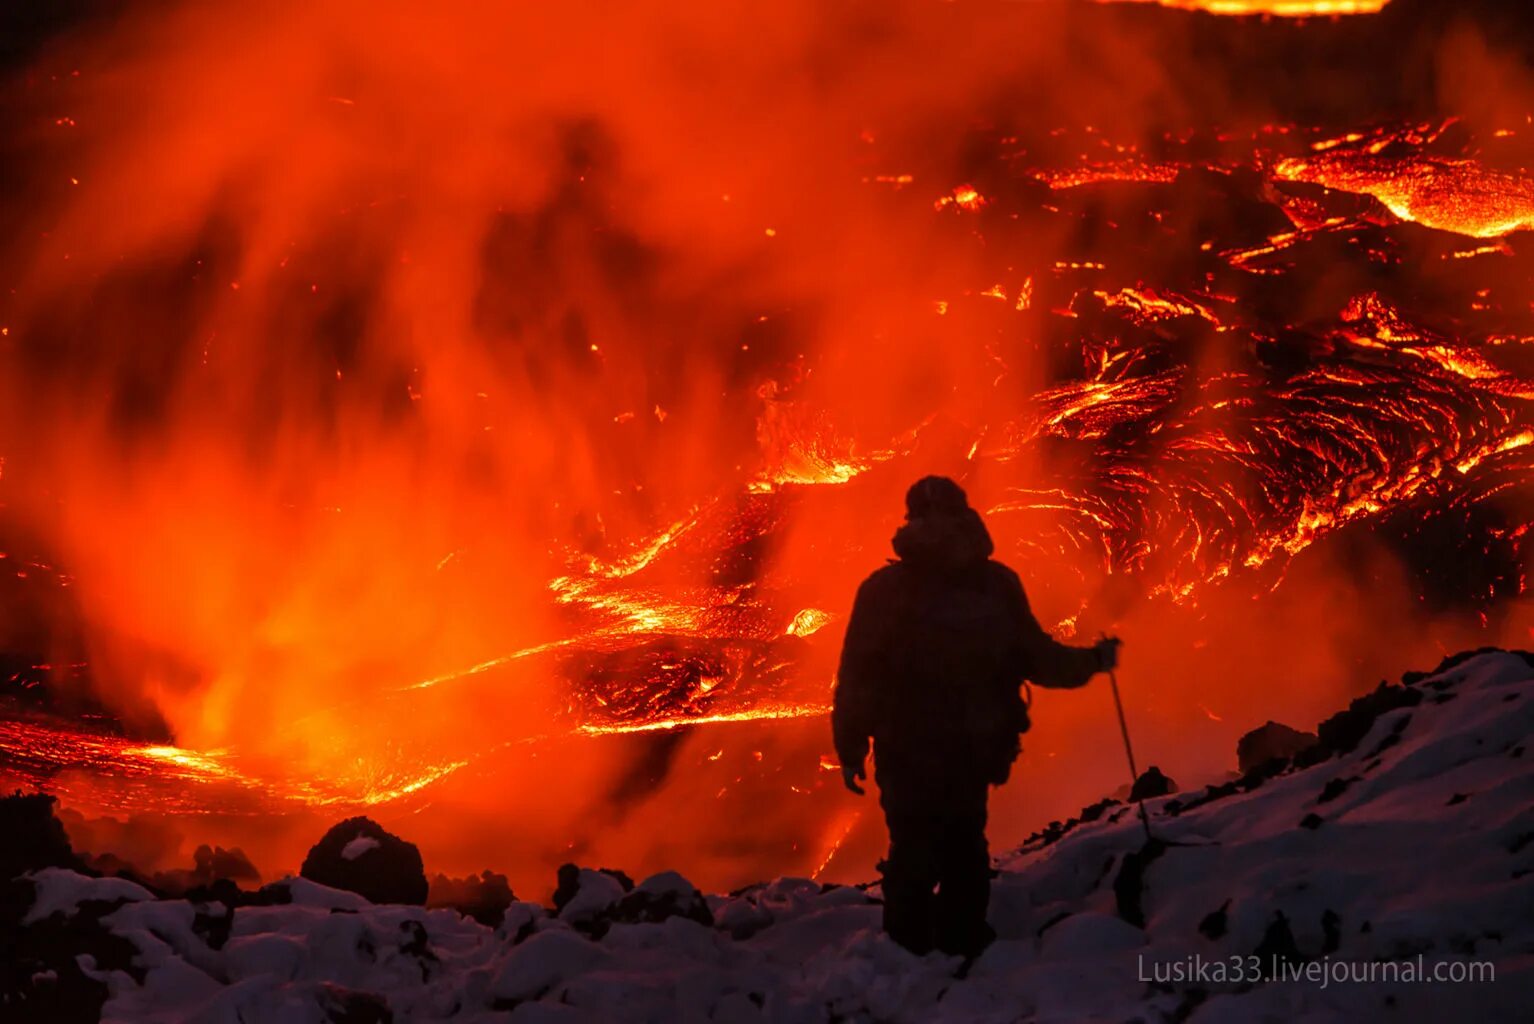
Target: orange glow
756,714
963,197
1274,8
808,622
840,831
1458,195
1092,174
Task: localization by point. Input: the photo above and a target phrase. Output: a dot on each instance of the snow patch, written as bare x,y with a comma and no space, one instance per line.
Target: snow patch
536,966
62,890
596,892
357,847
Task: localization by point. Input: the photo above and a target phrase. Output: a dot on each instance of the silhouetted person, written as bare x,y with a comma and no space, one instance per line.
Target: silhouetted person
937,648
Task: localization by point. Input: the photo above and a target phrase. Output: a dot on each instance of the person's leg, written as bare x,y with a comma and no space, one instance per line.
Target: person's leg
964,873
910,869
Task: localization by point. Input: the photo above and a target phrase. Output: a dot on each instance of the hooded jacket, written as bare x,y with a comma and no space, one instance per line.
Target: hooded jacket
938,645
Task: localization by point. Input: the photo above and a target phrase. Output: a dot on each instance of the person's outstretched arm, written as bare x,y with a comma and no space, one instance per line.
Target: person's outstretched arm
1051,664
857,681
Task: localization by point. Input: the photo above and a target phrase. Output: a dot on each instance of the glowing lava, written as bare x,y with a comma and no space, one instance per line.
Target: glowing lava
1450,195
1274,8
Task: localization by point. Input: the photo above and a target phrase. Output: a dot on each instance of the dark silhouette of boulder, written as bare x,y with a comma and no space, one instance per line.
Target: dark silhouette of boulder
1270,742
346,1006
1278,943
1456,660
484,897
1215,923
1345,730
34,838
1129,883
1152,783
210,865
40,974
359,856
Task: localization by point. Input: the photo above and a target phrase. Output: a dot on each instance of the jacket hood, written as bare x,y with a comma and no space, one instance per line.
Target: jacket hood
944,541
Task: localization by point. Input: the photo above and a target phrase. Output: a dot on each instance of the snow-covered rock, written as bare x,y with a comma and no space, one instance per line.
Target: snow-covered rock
1406,841
533,968
60,890
596,892
360,856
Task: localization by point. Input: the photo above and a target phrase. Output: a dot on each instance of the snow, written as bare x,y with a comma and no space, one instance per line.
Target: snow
1092,933
595,892
321,897
537,965
60,890
1430,850
358,846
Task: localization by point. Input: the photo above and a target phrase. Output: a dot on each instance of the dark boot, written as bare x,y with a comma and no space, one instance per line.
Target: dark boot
911,870
964,876
910,911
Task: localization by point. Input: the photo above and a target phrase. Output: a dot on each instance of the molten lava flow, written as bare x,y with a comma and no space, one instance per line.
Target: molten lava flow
134,778
1276,8
1451,195
841,829
763,712
1093,174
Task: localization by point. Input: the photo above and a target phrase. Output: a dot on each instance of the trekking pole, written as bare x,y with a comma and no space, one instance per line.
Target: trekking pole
1134,773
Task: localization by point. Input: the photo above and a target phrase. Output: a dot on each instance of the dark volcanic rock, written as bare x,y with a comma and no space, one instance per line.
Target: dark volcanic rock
1270,742
1215,923
484,897
569,879
1345,730
210,865
359,856
1151,783
1335,788
1278,943
34,838
40,975
1129,883
345,1006
41,978
1456,660
213,922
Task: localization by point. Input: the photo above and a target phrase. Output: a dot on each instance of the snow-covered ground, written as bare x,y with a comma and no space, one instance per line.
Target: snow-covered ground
1413,851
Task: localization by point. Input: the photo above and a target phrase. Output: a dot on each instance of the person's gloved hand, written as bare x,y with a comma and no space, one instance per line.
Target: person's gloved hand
852,774
1108,653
